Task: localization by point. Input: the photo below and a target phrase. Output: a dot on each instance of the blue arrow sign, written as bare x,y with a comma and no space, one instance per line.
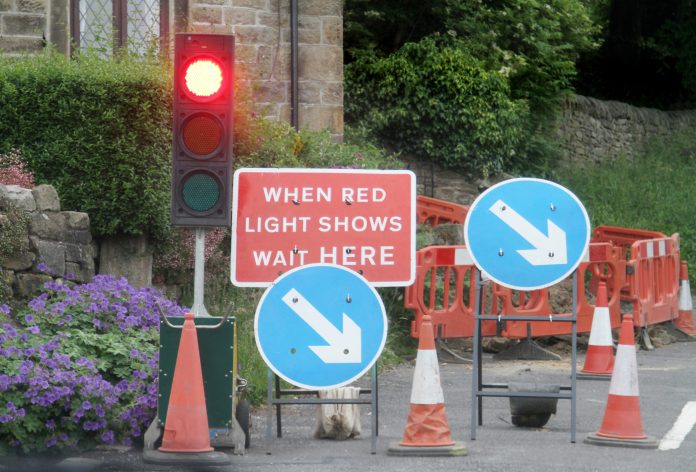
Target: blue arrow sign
527,233
320,326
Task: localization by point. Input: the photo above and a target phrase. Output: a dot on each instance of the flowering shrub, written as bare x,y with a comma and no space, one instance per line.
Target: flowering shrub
178,253
13,170
80,366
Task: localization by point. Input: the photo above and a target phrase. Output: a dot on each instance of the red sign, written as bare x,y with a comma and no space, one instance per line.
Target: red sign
360,219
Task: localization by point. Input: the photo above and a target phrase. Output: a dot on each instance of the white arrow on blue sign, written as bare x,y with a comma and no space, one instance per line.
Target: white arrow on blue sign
320,326
526,233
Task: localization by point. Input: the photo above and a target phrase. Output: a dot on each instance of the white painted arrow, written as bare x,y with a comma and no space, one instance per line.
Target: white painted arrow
549,249
344,347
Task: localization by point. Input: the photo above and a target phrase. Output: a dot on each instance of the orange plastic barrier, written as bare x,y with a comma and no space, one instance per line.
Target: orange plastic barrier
605,264
444,290
637,266
652,272
433,211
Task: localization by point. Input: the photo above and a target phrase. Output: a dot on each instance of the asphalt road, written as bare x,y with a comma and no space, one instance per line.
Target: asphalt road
667,379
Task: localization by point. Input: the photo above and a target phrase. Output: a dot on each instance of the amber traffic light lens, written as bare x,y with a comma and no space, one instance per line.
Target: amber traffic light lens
202,134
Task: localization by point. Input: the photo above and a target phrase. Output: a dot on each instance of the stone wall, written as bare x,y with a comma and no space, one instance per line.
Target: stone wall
26,24
53,241
262,34
592,130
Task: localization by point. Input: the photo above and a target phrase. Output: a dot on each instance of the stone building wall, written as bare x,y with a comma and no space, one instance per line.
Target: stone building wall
262,35
592,130
52,241
26,24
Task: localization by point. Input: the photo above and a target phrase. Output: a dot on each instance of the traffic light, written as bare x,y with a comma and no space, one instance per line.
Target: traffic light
202,128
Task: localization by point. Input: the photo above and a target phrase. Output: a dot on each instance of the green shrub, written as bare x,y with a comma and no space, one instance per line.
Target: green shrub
277,144
432,98
535,43
98,130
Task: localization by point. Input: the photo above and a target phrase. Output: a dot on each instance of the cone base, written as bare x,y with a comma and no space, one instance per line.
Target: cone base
192,451
592,376
186,458
686,333
456,449
646,443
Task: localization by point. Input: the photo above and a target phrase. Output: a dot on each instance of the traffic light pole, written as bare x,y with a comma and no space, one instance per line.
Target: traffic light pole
198,308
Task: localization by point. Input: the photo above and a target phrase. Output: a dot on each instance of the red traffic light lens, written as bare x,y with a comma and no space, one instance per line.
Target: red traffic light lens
202,134
203,78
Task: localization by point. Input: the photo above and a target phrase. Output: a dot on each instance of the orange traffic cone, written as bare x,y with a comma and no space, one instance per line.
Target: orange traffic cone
427,431
599,360
622,424
186,436
685,320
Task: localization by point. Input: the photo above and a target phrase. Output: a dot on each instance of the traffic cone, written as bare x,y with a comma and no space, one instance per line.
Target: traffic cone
427,431
685,320
186,438
622,424
599,360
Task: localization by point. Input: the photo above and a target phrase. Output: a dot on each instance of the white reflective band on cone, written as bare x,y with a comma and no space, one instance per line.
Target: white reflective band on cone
624,380
426,388
600,334
685,296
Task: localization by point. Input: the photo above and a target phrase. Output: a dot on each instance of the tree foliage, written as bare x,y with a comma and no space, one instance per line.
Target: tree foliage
529,45
435,99
648,55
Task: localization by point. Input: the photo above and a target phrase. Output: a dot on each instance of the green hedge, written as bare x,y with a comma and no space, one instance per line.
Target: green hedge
434,99
98,130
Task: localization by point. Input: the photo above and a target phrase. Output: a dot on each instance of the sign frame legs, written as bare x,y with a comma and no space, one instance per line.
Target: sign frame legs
477,385
275,393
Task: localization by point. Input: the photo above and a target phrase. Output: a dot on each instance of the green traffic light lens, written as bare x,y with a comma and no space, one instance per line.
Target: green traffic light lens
201,192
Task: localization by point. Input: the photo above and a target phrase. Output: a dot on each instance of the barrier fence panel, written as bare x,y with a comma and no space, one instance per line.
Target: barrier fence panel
652,272
433,211
444,290
640,267
655,283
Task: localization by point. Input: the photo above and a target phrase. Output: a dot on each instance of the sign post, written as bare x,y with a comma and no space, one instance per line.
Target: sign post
360,219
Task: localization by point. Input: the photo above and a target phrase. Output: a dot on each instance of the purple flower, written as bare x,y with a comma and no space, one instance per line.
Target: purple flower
4,382
108,437
34,329
42,267
10,331
38,304
25,367
4,309
29,318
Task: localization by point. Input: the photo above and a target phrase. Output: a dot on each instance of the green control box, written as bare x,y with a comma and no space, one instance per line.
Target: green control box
218,363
